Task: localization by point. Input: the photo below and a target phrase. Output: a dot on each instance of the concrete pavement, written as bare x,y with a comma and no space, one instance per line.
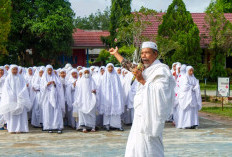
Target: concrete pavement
212,139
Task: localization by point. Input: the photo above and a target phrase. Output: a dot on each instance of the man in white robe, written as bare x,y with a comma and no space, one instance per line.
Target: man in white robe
15,102
152,103
52,99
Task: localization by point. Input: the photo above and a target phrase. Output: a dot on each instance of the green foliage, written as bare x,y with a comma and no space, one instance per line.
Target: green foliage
98,21
136,23
118,10
45,26
226,5
227,111
105,57
5,11
220,33
178,37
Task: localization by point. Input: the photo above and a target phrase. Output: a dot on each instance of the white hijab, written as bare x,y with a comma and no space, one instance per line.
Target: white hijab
55,94
85,100
15,96
190,93
110,93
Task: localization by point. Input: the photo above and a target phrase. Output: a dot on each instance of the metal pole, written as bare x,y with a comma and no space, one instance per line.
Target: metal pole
222,103
205,89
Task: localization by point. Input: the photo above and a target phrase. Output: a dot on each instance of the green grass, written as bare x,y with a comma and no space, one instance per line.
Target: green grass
210,86
227,111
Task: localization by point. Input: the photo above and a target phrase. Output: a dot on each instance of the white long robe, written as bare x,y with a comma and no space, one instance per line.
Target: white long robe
52,102
70,91
110,98
152,103
37,112
190,102
127,115
85,101
15,103
2,80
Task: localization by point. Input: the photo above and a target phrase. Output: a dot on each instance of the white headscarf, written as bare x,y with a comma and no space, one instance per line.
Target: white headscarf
178,66
110,93
85,100
71,78
172,70
15,96
2,80
56,94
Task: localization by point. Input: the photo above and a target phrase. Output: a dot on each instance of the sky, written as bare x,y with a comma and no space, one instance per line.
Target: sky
86,7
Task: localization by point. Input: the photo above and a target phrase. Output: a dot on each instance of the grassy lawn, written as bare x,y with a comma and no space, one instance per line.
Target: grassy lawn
211,86
227,112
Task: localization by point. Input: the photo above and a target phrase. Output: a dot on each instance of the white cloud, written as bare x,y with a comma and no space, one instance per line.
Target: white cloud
86,7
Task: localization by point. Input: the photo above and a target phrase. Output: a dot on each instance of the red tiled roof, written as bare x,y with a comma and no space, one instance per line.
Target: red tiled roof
89,38
198,18
85,38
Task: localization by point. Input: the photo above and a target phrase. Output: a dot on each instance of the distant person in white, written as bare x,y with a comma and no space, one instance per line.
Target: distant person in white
190,101
152,103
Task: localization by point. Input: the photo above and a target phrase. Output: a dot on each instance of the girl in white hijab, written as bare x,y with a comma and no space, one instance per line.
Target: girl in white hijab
70,90
7,67
99,118
179,81
126,117
37,117
111,98
64,82
2,80
15,102
85,101
52,97
189,101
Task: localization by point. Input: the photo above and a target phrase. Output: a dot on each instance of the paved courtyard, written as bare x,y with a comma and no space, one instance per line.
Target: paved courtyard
213,139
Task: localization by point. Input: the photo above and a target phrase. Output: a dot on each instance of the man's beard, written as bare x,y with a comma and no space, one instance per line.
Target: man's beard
146,65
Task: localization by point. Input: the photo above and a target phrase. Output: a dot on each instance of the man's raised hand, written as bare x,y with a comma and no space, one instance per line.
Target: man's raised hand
113,51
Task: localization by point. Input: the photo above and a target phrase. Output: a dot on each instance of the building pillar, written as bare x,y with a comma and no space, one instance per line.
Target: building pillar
87,57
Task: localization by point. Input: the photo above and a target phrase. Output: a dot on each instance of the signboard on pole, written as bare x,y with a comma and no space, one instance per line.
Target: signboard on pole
223,87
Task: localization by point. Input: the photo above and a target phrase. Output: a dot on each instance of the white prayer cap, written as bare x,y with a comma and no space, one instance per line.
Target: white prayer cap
149,44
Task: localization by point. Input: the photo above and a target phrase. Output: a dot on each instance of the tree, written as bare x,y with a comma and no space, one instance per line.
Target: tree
132,32
220,36
105,57
45,26
5,11
98,21
226,5
178,36
119,9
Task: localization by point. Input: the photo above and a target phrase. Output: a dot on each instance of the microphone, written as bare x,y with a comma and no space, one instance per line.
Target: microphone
139,67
